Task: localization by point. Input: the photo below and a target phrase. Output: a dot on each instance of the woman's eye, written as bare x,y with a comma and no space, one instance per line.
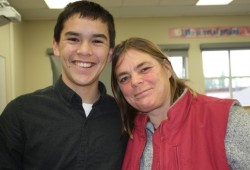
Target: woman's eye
123,79
145,69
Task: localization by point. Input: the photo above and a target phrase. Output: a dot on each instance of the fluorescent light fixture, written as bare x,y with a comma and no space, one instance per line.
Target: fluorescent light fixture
213,2
54,4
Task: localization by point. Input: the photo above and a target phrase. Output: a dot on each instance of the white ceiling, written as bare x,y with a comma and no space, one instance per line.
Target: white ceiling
38,10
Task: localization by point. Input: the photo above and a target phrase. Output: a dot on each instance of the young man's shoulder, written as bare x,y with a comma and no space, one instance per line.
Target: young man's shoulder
30,98
29,102
40,92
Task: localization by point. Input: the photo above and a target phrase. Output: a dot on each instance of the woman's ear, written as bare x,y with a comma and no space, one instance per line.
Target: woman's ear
167,62
55,48
168,67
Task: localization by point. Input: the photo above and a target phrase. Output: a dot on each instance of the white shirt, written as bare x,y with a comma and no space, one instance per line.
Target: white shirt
87,108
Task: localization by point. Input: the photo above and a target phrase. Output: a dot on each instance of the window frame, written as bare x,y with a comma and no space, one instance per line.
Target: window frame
226,47
174,50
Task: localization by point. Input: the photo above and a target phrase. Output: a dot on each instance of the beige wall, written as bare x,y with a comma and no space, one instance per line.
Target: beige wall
31,39
12,49
38,37
156,29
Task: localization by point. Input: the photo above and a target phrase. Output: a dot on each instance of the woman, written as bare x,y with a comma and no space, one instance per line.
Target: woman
170,125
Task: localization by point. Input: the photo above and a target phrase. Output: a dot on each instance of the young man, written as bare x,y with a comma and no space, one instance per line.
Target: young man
73,124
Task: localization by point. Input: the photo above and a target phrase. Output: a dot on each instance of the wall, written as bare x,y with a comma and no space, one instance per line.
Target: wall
4,32
156,29
17,50
12,49
37,37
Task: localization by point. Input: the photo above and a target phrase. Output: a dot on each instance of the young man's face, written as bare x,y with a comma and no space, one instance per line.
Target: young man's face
84,49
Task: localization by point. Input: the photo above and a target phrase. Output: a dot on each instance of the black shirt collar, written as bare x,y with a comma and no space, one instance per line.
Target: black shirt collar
71,96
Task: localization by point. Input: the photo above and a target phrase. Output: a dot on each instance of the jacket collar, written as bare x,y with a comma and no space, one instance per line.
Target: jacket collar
177,115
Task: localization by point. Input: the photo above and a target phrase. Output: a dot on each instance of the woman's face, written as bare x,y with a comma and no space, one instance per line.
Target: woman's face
143,81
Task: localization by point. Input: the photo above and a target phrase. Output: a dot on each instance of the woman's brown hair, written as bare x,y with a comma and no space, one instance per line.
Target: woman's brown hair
127,111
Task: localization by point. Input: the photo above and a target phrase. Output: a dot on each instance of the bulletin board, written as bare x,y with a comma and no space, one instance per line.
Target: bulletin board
3,100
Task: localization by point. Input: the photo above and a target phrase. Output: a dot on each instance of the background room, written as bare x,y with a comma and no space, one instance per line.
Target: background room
209,45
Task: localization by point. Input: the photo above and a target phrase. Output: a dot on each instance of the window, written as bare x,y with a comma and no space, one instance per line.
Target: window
227,72
177,55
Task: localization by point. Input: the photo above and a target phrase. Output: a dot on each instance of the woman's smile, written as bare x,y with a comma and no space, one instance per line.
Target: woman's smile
142,93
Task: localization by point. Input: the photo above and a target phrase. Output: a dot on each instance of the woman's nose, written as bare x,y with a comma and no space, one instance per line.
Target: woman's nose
136,80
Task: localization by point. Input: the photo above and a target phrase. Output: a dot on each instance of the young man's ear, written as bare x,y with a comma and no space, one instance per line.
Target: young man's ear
55,48
110,55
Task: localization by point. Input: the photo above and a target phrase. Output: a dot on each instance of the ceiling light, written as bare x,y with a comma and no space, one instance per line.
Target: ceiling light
52,4
213,2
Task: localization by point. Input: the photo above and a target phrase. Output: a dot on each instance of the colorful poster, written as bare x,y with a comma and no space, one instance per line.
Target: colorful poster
209,32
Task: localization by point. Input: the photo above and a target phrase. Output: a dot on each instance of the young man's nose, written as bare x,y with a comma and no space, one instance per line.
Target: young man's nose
85,49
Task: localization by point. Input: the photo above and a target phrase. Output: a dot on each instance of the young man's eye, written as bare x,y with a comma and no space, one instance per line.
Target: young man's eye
73,39
98,41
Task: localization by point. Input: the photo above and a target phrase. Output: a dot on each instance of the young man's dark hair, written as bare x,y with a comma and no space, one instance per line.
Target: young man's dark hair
89,10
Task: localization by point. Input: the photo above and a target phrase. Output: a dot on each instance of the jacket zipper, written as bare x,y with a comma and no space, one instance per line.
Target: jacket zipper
176,155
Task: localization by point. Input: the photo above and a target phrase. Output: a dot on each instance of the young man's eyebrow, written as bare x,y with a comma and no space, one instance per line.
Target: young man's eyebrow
94,35
100,35
71,33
